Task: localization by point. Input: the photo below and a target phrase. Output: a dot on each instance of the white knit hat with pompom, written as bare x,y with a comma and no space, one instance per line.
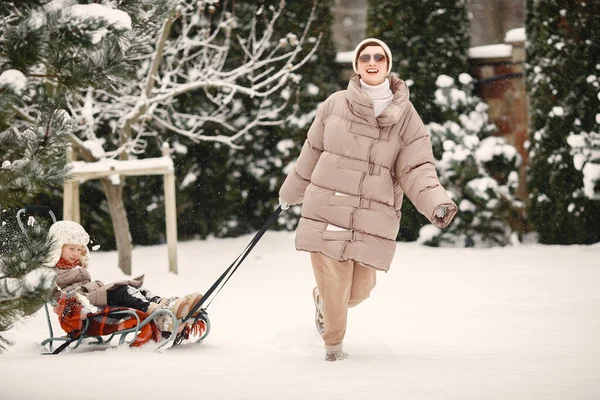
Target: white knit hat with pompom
68,232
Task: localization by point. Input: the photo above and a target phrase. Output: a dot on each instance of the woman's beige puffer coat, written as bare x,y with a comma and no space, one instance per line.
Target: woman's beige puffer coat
353,171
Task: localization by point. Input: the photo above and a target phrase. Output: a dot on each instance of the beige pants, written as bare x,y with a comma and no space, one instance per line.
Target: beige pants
342,284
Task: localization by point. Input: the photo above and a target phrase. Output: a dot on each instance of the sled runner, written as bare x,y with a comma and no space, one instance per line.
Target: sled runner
99,326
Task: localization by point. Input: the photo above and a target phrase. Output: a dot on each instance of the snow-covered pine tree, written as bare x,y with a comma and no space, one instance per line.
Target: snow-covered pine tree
562,75
427,38
46,53
479,170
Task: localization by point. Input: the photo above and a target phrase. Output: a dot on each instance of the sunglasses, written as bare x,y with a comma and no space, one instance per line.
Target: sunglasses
367,57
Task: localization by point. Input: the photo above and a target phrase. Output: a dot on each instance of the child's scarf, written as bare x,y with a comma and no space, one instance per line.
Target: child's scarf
64,264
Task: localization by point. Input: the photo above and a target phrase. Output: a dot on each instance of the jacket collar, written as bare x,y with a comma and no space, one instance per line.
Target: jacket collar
361,105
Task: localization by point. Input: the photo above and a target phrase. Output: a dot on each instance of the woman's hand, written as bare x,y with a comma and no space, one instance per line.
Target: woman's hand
283,204
443,214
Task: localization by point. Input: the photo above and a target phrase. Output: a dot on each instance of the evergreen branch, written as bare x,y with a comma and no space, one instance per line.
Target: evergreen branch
51,76
8,300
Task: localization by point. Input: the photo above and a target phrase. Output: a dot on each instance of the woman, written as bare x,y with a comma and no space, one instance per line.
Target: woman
366,147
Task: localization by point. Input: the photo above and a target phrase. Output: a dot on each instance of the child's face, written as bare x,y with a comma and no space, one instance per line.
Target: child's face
72,252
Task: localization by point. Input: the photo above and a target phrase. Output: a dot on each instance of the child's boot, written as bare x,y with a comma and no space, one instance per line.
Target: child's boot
192,299
152,307
177,306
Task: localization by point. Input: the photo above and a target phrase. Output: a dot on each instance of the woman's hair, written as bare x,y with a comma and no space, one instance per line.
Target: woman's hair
367,44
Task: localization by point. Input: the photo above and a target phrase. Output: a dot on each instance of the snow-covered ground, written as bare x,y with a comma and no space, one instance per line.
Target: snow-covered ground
506,323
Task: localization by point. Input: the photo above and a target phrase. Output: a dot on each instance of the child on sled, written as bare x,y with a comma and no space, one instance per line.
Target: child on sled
70,259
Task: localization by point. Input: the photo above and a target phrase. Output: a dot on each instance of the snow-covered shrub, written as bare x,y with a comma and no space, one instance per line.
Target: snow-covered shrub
585,149
478,170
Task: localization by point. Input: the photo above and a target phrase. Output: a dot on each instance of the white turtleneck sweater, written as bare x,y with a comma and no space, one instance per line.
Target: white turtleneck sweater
381,95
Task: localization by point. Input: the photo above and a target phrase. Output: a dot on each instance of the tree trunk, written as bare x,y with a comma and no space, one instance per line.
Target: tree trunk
118,214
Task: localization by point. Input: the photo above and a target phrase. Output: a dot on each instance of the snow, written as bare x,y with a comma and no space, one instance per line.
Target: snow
444,81
591,179
122,166
189,178
428,232
180,148
312,89
453,99
503,323
117,18
480,186
491,51
495,146
557,111
515,35
95,147
33,278
285,146
467,206
344,57
13,79
58,4
465,78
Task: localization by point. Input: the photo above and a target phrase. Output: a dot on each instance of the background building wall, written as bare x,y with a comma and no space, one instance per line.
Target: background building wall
490,19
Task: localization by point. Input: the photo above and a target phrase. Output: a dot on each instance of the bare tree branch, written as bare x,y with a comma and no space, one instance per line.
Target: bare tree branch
195,64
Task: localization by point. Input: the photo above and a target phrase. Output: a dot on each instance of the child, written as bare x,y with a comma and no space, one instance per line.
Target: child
70,258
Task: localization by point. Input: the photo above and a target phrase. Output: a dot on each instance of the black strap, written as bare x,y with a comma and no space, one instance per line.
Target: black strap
218,285
73,336
63,346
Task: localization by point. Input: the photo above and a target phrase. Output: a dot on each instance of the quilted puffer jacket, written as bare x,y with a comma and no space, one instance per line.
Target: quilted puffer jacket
79,279
353,171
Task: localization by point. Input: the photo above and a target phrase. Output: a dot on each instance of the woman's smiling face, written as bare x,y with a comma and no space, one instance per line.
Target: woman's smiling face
372,65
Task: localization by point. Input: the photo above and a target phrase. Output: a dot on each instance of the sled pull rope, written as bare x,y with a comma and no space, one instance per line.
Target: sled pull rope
224,278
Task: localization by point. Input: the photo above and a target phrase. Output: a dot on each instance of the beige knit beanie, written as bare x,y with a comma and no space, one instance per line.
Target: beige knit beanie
380,43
